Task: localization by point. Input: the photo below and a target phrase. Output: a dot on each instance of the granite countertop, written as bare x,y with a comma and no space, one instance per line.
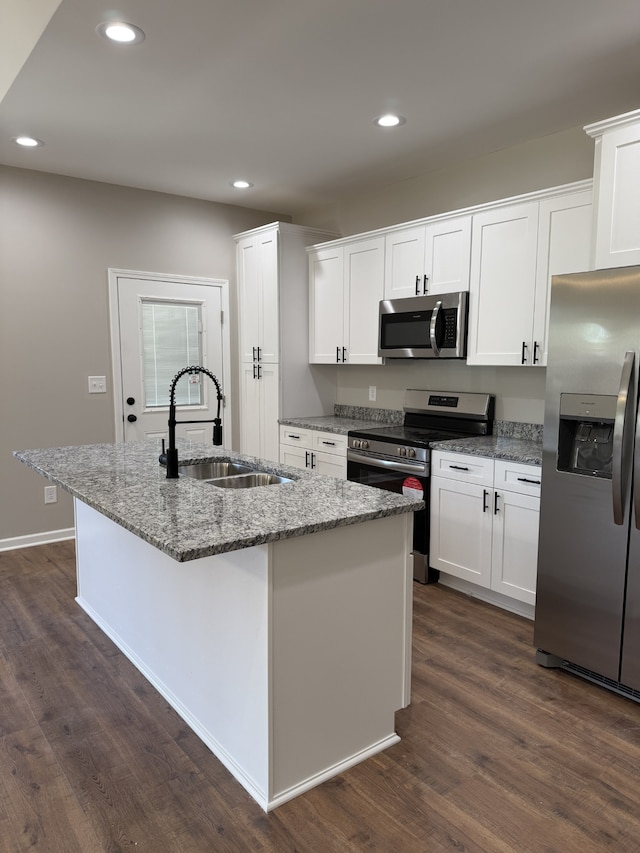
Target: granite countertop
187,518
513,441
524,450
331,423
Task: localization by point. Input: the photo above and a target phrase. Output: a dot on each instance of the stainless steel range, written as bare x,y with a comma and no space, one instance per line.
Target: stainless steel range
398,458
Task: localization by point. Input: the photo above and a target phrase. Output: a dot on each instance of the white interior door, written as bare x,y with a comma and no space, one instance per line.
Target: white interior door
159,326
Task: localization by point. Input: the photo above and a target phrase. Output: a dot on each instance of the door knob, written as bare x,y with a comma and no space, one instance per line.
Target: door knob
132,419
130,401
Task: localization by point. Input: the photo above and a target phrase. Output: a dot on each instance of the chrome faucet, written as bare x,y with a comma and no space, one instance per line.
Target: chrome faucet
171,455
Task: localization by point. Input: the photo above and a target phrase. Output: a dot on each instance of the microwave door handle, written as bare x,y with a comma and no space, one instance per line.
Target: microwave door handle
621,437
432,328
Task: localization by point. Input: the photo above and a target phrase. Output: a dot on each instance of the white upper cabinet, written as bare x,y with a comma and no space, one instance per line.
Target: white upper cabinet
432,258
326,296
503,275
516,249
345,286
617,190
564,246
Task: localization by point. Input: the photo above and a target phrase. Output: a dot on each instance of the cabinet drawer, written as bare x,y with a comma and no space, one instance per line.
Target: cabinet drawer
463,467
294,436
329,442
516,477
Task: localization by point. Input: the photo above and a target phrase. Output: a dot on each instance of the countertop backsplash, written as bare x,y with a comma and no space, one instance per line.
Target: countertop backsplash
364,413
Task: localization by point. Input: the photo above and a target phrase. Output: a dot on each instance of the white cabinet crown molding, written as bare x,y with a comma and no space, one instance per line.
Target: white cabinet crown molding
599,127
535,195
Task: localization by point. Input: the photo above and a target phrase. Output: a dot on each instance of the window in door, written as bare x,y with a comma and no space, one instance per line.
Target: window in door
171,337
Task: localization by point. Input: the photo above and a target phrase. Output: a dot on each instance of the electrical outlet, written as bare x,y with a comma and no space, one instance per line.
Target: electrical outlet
97,384
51,494
372,393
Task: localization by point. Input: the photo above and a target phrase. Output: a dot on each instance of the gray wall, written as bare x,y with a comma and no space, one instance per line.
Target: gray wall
58,237
540,163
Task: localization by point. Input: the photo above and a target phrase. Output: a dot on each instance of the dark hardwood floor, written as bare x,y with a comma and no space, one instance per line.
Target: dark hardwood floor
497,754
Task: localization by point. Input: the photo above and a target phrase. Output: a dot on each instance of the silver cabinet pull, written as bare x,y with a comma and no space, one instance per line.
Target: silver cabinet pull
622,437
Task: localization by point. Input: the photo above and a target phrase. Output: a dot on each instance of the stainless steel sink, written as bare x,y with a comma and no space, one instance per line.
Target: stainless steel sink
211,470
249,481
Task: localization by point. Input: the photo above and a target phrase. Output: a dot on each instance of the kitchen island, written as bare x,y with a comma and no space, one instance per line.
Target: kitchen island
276,620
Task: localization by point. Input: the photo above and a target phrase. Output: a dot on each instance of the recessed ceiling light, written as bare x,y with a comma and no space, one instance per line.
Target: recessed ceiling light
389,120
120,32
28,141
241,184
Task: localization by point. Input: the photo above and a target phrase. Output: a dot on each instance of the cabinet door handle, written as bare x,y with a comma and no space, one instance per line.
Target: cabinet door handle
425,286
495,504
459,467
523,360
337,355
344,355
291,435
329,443
259,371
312,457
536,347
254,370
253,354
485,495
527,480
306,459
417,285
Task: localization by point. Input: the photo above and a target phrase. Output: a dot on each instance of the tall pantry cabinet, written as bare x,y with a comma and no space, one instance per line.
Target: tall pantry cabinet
276,379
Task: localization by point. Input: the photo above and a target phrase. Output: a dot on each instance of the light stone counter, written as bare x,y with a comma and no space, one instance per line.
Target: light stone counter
523,450
189,519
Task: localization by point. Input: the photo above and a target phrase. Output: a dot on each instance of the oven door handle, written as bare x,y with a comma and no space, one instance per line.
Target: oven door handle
406,467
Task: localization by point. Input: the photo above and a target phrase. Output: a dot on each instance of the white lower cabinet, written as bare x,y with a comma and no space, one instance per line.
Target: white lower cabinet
322,452
484,522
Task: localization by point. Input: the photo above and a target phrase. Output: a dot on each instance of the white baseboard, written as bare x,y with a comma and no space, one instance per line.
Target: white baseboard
37,539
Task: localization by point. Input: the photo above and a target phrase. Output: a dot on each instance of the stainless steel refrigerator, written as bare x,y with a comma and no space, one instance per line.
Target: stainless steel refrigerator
588,592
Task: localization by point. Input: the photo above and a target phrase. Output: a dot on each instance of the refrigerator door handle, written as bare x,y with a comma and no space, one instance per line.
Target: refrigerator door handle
636,475
625,410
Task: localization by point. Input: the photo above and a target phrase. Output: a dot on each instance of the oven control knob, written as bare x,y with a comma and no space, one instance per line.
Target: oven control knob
402,451
365,444
411,452
357,443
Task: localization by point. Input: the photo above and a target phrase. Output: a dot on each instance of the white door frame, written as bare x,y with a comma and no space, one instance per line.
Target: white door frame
114,324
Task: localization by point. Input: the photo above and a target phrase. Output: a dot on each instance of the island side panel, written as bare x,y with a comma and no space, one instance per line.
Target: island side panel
341,649
197,630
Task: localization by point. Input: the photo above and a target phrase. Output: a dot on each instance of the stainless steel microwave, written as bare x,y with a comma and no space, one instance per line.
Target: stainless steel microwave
424,326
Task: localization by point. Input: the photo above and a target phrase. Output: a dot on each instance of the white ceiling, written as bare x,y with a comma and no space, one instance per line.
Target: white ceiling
284,92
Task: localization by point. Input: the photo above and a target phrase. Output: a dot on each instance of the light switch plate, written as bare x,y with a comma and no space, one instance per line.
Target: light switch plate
97,384
372,392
